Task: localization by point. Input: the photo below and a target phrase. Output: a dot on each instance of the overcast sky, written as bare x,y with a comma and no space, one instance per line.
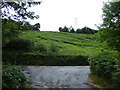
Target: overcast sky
59,13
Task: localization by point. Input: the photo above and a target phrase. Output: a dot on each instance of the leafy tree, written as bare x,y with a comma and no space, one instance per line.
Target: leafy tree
12,14
60,29
26,26
111,15
86,30
110,29
78,31
36,26
72,30
9,28
65,29
19,8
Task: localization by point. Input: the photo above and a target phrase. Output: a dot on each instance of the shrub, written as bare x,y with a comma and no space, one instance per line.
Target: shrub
45,60
105,66
41,48
54,48
19,44
12,77
116,78
102,65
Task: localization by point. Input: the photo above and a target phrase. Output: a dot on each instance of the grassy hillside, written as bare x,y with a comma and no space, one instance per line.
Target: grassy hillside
54,48
68,43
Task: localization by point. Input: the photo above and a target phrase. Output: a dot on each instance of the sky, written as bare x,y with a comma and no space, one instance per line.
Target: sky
76,13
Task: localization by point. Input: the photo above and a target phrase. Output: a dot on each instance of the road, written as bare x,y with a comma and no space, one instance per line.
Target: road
57,76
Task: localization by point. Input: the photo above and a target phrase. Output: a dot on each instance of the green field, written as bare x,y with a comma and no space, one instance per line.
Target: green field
70,49
68,43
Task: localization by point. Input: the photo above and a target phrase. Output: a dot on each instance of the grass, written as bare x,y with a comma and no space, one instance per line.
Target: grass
59,49
68,43
100,82
56,44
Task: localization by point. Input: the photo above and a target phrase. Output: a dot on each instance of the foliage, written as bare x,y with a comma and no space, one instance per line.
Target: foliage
19,44
9,30
19,8
12,77
60,29
72,49
72,30
41,48
111,15
103,66
107,65
44,60
67,43
110,37
13,13
53,48
28,26
110,29
65,29
100,82
116,78
78,30
86,30
36,26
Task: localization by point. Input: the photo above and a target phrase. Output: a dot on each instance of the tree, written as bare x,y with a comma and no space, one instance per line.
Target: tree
65,29
86,30
110,29
72,30
36,26
9,28
78,31
12,14
111,15
60,29
19,8
26,26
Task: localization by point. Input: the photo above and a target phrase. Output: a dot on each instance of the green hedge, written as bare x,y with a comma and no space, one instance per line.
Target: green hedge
42,60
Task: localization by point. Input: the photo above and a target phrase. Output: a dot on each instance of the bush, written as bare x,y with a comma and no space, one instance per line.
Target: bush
45,60
12,77
105,66
75,60
41,48
116,78
102,66
54,49
19,44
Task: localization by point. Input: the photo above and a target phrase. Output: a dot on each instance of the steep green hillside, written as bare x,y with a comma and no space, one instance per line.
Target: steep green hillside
68,43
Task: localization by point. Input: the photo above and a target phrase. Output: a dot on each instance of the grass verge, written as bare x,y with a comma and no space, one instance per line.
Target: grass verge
101,83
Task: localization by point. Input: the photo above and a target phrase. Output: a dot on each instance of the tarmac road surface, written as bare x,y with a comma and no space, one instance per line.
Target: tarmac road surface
57,76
